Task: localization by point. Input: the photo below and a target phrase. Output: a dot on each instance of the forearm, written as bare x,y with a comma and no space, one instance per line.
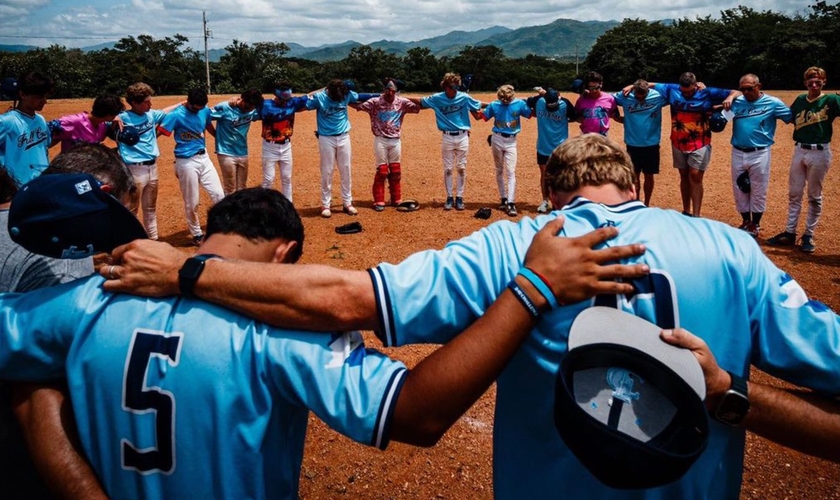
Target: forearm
49,428
312,297
444,385
803,421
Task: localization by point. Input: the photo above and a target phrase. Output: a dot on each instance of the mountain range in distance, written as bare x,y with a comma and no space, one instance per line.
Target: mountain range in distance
563,38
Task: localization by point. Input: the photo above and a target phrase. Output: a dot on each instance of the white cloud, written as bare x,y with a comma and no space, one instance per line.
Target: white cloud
316,22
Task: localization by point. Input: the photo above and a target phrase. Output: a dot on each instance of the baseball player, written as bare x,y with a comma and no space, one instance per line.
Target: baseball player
696,281
208,404
386,115
753,127
334,142
691,138
278,124
813,114
553,116
595,108
86,127
452,109
140,155
505,113
24,135
193,167
232,125
642,131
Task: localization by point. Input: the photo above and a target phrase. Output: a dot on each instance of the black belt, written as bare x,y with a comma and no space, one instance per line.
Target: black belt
284,141
199,152
506,136
750,150
815,147
454,133
147,162
333,135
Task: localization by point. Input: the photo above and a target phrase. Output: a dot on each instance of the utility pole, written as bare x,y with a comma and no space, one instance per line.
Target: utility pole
577,62
207,33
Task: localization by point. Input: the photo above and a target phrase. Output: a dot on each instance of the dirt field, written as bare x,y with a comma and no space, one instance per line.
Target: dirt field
459,467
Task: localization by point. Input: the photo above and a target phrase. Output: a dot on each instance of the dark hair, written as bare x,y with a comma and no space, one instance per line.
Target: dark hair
253,97
99,161
593,76
35,83
337,90
107,105
281,85
8,187
257,214
687,79
197,97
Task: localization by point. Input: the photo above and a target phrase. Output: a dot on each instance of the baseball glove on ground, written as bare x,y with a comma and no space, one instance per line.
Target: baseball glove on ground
351,228
408,206
483,213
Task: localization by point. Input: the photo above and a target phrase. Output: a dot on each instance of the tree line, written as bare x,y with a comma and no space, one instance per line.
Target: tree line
775,46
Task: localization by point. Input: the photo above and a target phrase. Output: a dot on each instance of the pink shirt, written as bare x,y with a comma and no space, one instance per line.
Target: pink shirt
386,118
595,113
77,129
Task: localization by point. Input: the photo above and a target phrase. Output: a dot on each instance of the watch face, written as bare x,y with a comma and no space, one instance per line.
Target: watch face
732,408
192,268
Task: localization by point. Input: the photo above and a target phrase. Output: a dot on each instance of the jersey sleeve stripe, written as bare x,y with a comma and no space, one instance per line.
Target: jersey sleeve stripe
382,433
383,308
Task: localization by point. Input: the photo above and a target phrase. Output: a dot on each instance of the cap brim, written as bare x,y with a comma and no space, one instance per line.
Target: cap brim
605,325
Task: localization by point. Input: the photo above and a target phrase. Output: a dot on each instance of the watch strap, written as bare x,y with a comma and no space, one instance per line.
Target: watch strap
190,272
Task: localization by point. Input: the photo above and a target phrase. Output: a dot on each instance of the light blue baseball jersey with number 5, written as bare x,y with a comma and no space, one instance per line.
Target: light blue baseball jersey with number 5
176,398
705,276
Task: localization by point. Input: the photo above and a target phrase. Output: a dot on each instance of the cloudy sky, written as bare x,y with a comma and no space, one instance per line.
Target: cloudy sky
82,23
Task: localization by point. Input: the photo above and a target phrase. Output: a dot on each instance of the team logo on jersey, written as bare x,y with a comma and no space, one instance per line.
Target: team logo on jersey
29,140
345,349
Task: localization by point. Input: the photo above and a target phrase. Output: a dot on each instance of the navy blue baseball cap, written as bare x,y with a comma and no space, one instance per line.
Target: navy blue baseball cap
69,216
628,405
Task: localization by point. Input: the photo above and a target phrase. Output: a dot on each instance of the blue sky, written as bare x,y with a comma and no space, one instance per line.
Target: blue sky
81,23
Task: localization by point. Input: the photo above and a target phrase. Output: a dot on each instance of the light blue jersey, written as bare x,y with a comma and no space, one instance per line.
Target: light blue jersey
506,117
452,114
177,398
705,276
232,126
332,116
146,124
754,123
24,143
552,126
642,120
188,129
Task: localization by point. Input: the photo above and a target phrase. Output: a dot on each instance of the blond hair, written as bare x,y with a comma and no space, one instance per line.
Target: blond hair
450,79
815,72
588,160
505,94
138,92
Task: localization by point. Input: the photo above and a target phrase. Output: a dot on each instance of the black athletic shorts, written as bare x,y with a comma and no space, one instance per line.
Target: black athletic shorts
645,159
542,159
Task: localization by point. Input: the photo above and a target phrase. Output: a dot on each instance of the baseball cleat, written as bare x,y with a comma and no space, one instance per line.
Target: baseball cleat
511,210
459,203
326,213
503,206
350,210
449,203
783,239
544,207
807,244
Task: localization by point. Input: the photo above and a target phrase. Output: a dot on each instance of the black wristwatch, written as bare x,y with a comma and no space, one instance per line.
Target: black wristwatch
735,404
191,270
